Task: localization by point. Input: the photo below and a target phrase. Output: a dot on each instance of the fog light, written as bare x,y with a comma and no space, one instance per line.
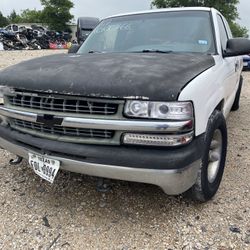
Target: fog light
1,101
157,139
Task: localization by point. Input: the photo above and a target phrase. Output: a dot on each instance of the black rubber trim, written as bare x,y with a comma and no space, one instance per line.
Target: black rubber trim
127,156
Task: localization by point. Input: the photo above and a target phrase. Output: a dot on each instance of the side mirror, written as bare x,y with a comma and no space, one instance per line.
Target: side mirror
237,47
73,49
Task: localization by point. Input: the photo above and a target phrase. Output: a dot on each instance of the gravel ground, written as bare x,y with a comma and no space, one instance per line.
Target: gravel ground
70,214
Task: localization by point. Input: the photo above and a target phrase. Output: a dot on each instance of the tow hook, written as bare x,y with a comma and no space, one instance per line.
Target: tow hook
16,161
103,185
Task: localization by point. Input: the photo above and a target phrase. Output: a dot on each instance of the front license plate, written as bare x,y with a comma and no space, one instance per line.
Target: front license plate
245,64
46,168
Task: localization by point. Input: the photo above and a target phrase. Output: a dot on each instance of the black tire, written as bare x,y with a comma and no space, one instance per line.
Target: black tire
236,104
204,188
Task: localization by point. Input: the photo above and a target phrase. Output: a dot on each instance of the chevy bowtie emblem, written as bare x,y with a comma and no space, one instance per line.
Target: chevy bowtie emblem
49,120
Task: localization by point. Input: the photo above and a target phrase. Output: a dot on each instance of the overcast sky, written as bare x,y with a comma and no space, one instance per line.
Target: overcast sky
101,8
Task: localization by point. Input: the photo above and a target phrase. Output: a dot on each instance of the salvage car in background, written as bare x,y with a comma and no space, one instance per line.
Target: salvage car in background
15,37
246,62
85,26
131,104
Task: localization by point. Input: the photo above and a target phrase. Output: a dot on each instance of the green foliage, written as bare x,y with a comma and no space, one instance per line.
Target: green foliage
238,31
31,16
56,13
3,20
13,17
26,16
227,7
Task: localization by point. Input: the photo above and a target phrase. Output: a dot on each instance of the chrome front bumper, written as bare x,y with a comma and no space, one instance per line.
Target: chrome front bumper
172,182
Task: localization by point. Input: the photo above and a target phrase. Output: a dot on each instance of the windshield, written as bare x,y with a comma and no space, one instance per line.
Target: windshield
181,31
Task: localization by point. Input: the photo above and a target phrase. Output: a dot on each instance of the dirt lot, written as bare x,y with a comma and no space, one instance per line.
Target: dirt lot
70,214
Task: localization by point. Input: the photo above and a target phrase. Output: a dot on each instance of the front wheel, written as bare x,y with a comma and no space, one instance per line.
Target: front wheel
213,160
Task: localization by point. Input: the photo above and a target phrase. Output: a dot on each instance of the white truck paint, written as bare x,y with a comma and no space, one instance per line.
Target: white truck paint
217,84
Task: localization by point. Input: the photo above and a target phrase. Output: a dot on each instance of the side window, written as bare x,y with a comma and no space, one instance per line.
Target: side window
223,32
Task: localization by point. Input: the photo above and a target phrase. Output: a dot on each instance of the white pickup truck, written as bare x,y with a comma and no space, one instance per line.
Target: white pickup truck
144,99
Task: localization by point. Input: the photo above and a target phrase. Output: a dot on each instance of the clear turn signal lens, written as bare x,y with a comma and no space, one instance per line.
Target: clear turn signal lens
157,139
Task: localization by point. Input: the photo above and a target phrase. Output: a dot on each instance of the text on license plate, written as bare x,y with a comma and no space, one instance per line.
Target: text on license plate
46,168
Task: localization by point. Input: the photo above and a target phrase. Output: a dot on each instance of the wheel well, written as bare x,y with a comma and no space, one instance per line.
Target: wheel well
220,106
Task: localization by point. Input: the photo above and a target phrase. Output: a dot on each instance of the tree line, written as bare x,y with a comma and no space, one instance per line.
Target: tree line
55,13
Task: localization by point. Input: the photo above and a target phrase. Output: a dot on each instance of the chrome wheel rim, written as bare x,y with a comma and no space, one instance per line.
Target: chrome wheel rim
214,157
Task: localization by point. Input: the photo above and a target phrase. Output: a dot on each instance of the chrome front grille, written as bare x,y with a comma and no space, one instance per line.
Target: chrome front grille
63,104
61,131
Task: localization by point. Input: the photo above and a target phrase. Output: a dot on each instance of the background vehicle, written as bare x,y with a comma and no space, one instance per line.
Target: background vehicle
85,25
12,28
246,62
34,37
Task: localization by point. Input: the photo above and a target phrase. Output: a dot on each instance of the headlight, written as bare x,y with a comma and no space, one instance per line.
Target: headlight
159,110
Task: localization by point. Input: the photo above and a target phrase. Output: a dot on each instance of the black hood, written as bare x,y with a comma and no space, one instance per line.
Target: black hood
115,75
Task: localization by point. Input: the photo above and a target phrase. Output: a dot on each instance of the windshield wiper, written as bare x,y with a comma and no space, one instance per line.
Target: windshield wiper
156,51
93,52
